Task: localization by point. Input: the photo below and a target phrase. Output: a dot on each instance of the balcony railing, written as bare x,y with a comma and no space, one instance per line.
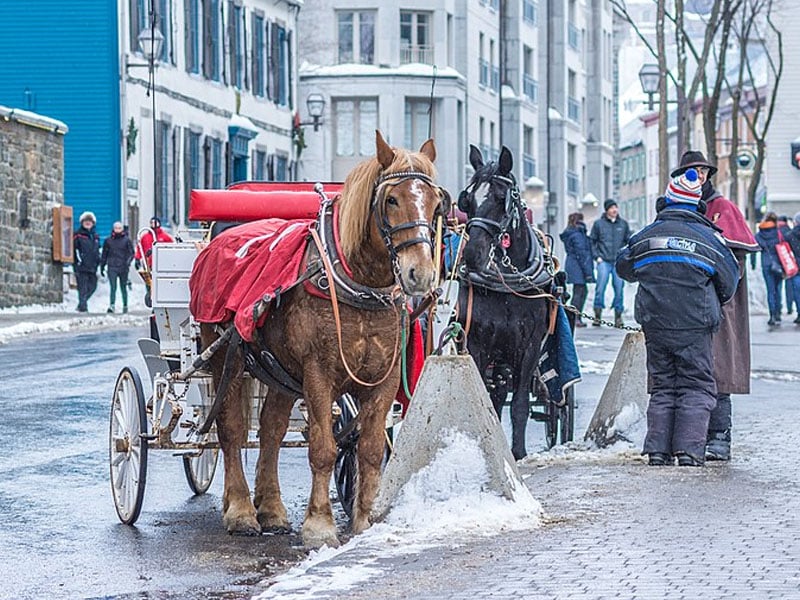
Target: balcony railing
528,166
573,184
530,88
573,110
416,54
529,11
483,78
573,37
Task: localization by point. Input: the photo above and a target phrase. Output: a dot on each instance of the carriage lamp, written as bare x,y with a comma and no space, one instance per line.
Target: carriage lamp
315,103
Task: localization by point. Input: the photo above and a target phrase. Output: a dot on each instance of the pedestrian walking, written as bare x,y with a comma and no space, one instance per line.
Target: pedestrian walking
793,237
578,265
768,237
783,223
609,235
731,342
144,251
117,256
87,257
685,273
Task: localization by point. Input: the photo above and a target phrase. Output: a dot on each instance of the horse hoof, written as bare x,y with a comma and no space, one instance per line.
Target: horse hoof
317,537
274,524
519,455
244,525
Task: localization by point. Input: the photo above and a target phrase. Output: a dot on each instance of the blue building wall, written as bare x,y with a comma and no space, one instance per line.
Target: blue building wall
60,59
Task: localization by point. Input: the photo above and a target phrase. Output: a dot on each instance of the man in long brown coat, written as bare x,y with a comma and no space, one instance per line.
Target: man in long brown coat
731,344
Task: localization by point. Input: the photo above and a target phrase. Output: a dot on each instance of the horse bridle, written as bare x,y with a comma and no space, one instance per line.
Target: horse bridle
511,218
386,229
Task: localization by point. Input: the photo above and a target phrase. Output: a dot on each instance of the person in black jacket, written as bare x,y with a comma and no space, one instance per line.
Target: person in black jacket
87,257
609,235
685,273
793,237
117,256
578,265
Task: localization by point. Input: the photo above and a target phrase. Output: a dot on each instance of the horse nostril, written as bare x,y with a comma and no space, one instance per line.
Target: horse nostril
412,275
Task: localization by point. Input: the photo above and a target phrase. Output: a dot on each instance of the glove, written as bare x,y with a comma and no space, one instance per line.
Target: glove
138,264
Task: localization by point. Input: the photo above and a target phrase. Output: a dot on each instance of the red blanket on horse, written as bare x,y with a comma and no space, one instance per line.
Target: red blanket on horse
243,265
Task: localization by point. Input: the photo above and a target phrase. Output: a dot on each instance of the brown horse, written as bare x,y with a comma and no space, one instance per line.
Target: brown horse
384,228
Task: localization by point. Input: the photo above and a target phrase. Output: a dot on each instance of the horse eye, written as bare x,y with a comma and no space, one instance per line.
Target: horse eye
391,200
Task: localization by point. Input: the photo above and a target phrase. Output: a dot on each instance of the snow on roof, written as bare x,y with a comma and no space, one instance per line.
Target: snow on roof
242,122
33,119
356,70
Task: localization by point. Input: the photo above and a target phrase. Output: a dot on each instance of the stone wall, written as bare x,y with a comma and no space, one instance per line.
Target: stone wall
31,184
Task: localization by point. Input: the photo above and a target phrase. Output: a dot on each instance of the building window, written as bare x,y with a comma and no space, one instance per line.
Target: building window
529,12
530,87
259,165
164,171
415,38
281,167
192,12
528,160
356,122
211,39
164,24
236,36
483,64
356,37
417,122
193,168
279,61
138,21
217,165
259,53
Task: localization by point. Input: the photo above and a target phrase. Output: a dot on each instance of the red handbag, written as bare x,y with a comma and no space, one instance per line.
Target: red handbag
786,256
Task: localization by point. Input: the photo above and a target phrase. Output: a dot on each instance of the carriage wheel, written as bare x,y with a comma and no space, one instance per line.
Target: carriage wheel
551,424
200,469
127,446
345,470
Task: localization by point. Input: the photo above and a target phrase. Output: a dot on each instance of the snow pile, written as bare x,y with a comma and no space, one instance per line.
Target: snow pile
445,498
586,453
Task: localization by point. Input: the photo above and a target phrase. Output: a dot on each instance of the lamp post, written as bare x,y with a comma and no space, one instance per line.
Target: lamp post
151,42
551,210
315,103
649,77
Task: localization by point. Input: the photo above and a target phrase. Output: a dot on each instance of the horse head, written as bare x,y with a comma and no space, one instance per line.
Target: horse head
397,215
496,223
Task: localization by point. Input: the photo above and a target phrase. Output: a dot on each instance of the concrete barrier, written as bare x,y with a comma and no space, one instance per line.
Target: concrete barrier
621,413
450,396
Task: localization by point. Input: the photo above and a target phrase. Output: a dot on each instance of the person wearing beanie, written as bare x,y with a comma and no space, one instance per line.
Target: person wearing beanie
86,243
685,273
144,250
731,343
609,235
117,255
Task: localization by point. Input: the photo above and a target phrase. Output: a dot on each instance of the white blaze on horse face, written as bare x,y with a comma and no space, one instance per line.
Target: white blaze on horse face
416,261
481,193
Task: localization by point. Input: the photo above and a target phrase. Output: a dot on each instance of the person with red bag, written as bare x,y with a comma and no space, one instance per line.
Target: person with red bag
769,235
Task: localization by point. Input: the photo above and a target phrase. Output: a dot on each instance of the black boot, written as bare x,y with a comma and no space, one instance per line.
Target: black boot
598,313
718,446
618,319
659,459
687,460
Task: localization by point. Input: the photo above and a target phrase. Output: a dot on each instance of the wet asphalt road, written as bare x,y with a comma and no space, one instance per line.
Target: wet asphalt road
59,532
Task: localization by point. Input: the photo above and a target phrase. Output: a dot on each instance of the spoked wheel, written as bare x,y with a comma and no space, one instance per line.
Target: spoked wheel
345,470
200,469
127,446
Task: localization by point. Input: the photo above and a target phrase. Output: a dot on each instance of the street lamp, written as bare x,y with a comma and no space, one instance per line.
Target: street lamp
551,210
315,103
649,77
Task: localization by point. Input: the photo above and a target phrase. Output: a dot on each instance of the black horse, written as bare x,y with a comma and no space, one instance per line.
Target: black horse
504,298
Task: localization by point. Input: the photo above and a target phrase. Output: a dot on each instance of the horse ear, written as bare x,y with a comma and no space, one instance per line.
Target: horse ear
475,157
506,161
429,150
384,152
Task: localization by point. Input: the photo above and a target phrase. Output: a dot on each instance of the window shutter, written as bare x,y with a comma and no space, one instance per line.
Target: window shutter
208,41
159,174
289,78
187,170
207,166
243,42
274,60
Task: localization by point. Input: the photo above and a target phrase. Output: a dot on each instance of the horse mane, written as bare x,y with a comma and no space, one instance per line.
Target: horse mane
355,202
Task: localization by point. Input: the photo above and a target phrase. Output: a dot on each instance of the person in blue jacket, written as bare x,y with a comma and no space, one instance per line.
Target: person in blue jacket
578,265
768,235
685,273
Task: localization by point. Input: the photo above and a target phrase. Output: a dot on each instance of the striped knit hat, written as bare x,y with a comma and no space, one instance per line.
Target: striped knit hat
684,189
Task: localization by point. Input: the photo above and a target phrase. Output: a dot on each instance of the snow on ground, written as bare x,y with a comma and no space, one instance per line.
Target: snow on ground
63,317
442,499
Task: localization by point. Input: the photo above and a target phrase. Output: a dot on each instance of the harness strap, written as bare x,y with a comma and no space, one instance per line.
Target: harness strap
338,322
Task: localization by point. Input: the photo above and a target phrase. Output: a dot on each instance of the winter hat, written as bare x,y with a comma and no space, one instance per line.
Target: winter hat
609,203
87,216
684,189
157,220
693,158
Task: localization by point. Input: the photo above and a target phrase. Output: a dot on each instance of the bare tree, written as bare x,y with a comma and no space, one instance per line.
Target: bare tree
752,99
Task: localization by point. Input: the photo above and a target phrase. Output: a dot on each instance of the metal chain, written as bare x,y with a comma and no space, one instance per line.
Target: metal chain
591,318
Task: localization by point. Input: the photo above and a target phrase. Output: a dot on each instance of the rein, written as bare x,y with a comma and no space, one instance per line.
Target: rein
338,323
